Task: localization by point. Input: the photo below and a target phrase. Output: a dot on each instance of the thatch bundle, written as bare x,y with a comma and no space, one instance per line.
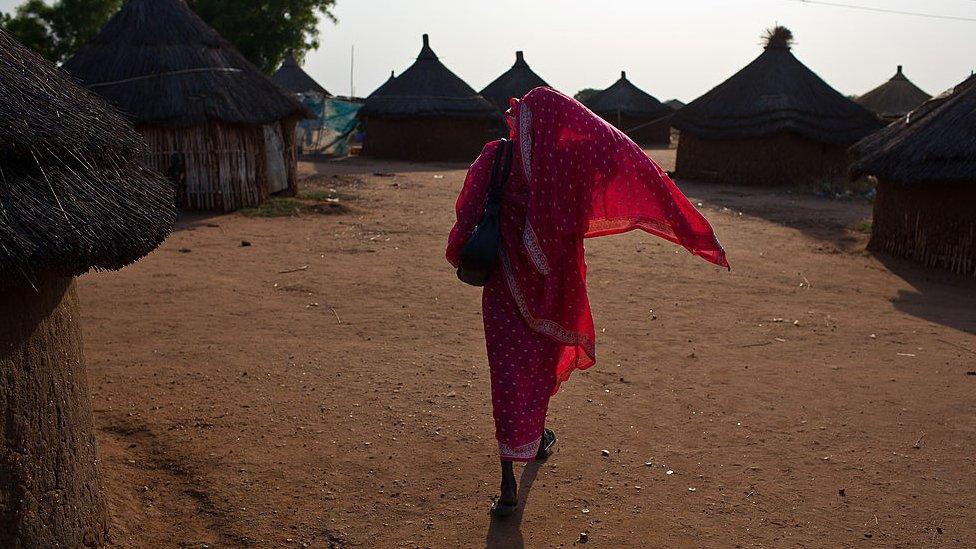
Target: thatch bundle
774,98
925,164
212,119
73,197
292,78
894,98
426,113
515,82
635,112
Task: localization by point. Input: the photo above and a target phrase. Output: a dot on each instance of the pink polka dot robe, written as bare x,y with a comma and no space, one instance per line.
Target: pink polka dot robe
573,176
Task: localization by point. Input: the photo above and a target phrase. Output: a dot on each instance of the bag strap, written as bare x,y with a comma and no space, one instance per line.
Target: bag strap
501,169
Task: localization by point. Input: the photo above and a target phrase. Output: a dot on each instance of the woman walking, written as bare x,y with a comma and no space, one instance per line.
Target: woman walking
573,176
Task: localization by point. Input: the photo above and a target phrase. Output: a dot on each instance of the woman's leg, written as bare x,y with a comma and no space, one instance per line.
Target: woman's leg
509,488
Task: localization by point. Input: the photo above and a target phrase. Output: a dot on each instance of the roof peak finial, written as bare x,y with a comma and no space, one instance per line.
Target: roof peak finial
623,75
778,38
519,56
290,59
426,52
899,69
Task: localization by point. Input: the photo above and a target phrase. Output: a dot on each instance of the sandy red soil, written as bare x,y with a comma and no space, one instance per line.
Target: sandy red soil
816,396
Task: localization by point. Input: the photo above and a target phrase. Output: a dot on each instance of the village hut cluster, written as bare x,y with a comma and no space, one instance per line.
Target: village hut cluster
218,127
429,113
74,197
775,122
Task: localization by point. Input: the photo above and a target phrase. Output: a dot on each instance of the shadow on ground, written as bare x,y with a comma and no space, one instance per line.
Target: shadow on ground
192,220
824,219
506,533
937,296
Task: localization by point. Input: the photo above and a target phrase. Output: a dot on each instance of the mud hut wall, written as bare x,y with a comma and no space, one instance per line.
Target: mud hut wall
780,159
225,166
50,492
427,138
933,224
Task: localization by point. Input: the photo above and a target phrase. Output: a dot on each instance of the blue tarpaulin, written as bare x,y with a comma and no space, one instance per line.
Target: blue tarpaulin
332,129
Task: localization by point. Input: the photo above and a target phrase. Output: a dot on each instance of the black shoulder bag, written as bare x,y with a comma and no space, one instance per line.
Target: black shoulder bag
480,254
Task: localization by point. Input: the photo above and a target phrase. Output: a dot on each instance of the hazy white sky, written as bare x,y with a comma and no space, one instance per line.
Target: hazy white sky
676,48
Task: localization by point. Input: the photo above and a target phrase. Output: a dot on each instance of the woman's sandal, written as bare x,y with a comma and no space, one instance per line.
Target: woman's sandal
545,447
503,509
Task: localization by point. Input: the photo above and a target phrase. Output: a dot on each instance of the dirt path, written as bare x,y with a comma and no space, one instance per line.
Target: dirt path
814,397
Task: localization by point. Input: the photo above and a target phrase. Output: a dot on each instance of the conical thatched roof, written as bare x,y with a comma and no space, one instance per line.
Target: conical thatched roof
72,195
934,143
161,64
382,86
427,88
627,99
291,77
515,82
675,104
776,93
894,98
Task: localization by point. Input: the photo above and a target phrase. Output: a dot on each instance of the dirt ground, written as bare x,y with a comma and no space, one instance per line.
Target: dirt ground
327,386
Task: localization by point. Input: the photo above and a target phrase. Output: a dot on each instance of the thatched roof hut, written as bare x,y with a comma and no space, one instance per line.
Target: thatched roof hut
292,78
632,110
426,113
895,98
515,82
73,197
925,165
213,121
774,122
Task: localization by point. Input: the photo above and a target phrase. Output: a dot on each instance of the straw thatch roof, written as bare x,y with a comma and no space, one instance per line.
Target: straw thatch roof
291,77
162,65
776,93
894,98
427,88
72,195
625,98
515,82
934,143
